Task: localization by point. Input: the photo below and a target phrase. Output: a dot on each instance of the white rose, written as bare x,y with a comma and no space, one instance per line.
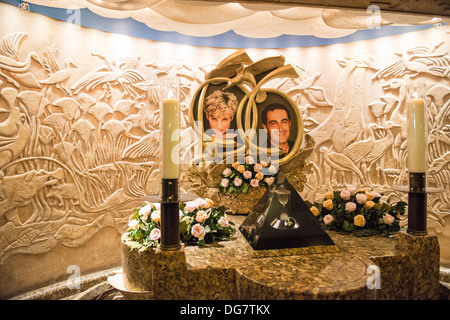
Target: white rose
156,215
133,224
145,211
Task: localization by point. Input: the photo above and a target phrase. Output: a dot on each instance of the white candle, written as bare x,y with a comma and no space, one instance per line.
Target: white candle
170,147
416,136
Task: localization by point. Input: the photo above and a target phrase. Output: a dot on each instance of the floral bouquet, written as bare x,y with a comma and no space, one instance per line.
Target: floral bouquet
360,212
241,177
200,223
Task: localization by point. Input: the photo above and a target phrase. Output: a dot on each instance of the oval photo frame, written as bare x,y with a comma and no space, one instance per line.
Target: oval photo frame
296,124
201,125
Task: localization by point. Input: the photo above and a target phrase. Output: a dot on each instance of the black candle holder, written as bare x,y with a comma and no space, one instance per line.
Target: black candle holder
170,208
170,200
417,202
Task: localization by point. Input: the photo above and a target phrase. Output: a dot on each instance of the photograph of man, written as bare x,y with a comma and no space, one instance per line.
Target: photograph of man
276,120
220,108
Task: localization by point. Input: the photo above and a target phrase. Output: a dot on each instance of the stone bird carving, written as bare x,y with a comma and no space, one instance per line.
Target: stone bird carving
57,75
420,59
120,70
12,69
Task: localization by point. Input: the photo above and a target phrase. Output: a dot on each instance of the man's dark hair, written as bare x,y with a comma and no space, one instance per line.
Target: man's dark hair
272,107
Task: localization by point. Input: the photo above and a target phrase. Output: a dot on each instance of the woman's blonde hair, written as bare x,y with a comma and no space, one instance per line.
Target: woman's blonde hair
221,101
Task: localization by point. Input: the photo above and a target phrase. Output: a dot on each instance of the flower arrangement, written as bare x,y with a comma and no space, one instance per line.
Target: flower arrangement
243,176
200,223
360,212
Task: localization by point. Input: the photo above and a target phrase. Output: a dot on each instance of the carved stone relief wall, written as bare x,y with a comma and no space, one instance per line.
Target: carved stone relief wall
79,131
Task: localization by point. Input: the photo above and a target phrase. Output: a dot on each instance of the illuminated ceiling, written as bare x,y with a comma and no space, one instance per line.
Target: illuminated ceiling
245,20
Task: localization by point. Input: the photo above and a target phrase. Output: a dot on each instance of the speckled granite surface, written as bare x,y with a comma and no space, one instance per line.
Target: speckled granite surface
422,265
409,269
233,270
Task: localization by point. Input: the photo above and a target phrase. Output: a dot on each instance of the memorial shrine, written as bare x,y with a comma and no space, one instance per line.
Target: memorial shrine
206,150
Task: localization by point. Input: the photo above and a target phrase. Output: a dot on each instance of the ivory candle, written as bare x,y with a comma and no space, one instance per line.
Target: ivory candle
170,147
416,135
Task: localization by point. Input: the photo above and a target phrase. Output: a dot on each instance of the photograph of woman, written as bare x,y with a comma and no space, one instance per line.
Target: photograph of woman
220,109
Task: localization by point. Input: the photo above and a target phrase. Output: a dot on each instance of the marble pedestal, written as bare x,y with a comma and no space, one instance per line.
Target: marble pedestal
422,265
408,269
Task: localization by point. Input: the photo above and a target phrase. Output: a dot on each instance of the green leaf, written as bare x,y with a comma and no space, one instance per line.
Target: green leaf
347,226
185,224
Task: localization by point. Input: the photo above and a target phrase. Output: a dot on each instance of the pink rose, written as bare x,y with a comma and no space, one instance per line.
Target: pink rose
237,182
223,222
247,174
350,206
191,205
155,234
226,172
328,218
257,167
351,189
224,183
198,231
201,203
345,195
376,194
388,219
249,160
254,183
361,198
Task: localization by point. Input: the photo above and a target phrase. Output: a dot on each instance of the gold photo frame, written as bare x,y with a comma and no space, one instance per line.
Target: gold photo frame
280,101
212,144
232,78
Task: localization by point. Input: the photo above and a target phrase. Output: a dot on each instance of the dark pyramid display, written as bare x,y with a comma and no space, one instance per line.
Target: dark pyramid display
272,225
